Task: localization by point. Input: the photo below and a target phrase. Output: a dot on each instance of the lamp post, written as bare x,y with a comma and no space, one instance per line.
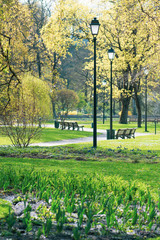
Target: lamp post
104,84
146,73
94,30
111,55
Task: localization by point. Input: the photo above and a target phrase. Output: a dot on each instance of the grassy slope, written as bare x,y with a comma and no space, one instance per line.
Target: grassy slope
120,160
143,166
52,134
141,172
148,142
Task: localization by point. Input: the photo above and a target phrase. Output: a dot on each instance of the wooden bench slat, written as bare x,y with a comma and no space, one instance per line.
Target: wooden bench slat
125,132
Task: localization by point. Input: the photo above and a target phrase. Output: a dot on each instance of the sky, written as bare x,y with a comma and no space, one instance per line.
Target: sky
92,4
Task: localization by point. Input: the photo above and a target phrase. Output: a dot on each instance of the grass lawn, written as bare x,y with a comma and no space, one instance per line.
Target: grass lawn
146,173
147,142
120,179
131,159
116,126
124,175
51,134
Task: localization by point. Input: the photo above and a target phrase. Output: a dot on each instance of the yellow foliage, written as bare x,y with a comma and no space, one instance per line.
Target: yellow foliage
30,99
36,92
67,25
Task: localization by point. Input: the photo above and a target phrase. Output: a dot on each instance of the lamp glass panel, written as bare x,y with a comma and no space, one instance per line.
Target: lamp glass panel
94,29
111,55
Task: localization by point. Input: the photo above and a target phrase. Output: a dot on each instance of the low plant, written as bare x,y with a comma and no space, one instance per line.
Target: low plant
107,201
10,219
27,218
47,225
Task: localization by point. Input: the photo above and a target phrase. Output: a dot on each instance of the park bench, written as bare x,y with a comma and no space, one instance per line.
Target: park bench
125,132
75,125
120,133
130,132
63,125
70,125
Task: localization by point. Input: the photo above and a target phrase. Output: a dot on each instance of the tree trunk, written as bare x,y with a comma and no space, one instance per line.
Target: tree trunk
38,64
134,112
124,112
138,105
53,82
86,93
125,96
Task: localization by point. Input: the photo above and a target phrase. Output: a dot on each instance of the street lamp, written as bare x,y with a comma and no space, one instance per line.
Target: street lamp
146,73
104,84
94,30
111,55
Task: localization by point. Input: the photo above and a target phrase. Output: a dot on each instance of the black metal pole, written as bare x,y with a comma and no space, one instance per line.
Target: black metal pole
146,105
95,100
104,106
111,104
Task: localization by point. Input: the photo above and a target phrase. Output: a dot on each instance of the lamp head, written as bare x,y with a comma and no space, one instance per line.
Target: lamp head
94,27
111,54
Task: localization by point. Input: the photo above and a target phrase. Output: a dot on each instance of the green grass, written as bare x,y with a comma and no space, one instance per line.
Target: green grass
52,134
4,140
131,159
143,173
116,126
111,169
147,142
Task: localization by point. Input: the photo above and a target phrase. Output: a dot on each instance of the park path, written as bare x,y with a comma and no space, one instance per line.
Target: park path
101,136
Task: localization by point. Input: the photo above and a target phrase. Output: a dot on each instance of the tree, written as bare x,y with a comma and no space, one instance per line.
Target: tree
15,28
129,31
63,30
28,102
66,100
81,103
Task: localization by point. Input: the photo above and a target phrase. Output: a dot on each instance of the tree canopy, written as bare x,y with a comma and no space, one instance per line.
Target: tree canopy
33,41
